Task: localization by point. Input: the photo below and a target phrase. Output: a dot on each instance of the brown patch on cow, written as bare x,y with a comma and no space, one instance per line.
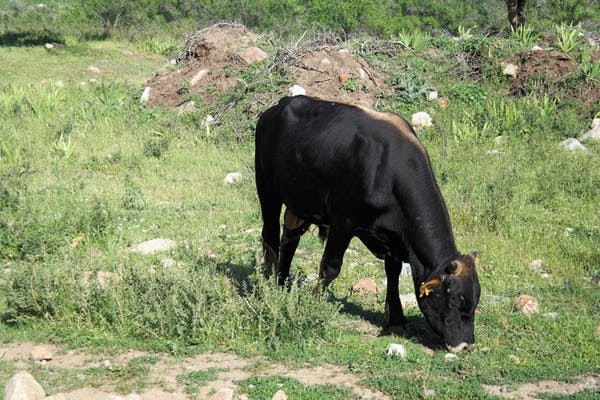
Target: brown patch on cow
404,129
291,221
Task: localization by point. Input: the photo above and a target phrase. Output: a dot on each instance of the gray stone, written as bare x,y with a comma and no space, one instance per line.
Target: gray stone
592,135
296,90
145,94
23,386
510,70
186,107
233,178
41,353
421,119
573,145
279,395
152,246
198,77
395,349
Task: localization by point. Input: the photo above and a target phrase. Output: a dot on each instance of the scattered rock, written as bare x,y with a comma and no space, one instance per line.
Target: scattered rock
279,395
152,246
536,265
198,77
432,95
93,69
23,386
222,394
395,349
421,119
527,305
510,70
499,139
233,178
443,102
595,123
145,94
550,315
536,48
252,55
514,358
365,287
41,353
449,357
568,231
592,135
429,393
186,107
572,144
494,152
343,78
296,90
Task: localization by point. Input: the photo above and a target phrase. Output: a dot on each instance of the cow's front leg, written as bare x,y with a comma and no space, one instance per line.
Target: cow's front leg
394,317
333,257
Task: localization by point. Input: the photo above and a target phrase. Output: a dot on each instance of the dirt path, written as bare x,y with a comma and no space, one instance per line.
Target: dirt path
162,382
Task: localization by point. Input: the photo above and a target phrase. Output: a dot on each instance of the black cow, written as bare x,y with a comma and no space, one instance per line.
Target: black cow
363,173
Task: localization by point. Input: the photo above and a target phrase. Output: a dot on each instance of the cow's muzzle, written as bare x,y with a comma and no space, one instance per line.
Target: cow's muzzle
460,347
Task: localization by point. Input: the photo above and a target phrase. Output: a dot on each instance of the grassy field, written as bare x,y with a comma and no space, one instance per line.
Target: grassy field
79,154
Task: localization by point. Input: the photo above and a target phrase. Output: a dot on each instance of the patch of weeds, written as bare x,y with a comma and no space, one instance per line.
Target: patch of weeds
586,394
263,388
157,145
133,198
184,87
194,380
524,35
468,92
413,40
354,85
590,68
410,86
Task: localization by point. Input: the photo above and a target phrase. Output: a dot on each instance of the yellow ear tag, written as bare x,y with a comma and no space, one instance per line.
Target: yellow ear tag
424,290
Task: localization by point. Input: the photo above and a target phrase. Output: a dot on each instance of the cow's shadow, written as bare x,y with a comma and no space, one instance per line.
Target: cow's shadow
417,329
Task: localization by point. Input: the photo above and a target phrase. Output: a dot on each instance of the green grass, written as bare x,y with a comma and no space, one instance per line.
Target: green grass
91,159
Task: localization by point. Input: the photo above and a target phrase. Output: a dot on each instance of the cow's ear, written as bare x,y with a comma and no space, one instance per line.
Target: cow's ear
454,268
430,286
474,253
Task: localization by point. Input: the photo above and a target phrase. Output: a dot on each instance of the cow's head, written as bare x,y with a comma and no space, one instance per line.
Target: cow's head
448,300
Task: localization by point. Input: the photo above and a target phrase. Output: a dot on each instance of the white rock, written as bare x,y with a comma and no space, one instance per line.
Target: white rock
595,123
59,84
511,70
41,353
152,246
591,135
325,61
572,145
429,393
279,395
536,48
432,95
494,152
450,357
395,349
22,386
296,90
361,72
536,265
93,69
499,139
233,178
421,119
145,94
198,77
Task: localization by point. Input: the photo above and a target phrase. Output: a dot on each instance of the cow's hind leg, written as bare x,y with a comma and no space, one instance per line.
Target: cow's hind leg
394,317
271,210
293,229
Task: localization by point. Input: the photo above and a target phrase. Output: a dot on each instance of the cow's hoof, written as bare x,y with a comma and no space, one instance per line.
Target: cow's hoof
393,330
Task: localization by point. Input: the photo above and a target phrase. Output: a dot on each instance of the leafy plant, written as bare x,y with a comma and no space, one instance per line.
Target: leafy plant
591,68
413,40
524,35
568,37
133,198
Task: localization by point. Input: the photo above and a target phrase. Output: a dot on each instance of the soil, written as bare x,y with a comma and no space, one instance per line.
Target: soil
555,73
326,70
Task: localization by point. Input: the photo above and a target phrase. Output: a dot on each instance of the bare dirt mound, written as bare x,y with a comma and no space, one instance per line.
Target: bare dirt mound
215,57
555,73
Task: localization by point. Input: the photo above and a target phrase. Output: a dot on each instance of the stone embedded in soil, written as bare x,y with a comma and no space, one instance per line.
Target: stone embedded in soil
252,55
449,357
145,94
432,95
395,349
510,70
527,305
198,77
41,353
23,386
186,107
296,90
279,395
152,246
365,287
595,123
